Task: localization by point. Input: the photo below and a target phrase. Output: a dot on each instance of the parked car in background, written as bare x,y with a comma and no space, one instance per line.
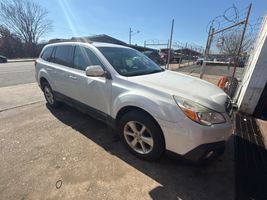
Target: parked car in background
154,110
241,63
3,59
177,57
238,62
200,61
164,55
154,55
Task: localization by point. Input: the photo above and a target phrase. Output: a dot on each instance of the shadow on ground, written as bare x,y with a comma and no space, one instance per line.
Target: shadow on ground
251,160
176,180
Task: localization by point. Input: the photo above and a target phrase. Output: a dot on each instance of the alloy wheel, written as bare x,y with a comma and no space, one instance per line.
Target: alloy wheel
138,137
49,95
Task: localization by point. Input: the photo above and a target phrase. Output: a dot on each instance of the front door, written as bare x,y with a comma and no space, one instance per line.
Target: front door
95,92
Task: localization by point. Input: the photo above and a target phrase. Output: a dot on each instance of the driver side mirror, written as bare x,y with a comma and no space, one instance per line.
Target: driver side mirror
94,70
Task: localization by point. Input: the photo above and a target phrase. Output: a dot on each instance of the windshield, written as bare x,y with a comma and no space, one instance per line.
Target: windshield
129,62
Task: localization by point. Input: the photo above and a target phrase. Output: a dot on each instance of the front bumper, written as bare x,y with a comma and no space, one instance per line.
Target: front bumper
202,153
205,152
194,141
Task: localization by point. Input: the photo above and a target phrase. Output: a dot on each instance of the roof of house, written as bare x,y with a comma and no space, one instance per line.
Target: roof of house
102,38
187,51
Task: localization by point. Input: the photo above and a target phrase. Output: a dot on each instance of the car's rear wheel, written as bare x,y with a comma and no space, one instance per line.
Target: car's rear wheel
141,135
49,96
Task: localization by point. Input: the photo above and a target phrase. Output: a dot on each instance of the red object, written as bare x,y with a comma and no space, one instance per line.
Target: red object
222,81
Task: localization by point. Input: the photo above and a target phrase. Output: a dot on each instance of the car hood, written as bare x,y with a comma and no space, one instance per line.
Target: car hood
195,89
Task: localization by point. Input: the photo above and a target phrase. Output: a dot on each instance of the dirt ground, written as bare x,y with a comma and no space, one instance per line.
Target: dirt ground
64,154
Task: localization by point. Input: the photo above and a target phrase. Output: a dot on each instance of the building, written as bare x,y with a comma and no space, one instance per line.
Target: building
252,93
108,39
188,52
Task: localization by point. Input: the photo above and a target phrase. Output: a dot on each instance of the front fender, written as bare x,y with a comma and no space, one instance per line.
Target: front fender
158,107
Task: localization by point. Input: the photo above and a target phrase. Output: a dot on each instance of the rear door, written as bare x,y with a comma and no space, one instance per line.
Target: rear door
64,73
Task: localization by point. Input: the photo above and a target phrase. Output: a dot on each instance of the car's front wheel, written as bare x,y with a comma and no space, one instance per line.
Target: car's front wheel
141,135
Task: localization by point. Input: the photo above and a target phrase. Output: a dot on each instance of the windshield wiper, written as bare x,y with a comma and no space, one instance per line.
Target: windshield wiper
154,71
145,73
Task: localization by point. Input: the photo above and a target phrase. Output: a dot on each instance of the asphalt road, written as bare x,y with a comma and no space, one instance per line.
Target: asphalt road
16,73
23,72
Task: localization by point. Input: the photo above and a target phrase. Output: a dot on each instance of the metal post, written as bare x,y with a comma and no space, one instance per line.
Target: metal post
167,55
209,40
130,35
170,45
188,53
180,60
241,40
145,43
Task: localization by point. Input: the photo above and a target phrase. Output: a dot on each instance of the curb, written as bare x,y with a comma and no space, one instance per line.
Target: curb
13,61
23,105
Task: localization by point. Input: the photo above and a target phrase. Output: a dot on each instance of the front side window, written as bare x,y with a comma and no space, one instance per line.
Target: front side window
63,55
84,57
129,62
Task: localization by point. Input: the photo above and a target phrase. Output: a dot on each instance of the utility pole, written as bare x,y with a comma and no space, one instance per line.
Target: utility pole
170,45
130,35
189,54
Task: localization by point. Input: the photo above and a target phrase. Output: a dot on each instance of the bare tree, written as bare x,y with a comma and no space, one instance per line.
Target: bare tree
27,19
230,42
10,45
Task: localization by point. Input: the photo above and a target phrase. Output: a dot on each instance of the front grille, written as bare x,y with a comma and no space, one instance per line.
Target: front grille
229,107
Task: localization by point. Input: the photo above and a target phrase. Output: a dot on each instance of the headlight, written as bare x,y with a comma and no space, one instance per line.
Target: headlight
199,113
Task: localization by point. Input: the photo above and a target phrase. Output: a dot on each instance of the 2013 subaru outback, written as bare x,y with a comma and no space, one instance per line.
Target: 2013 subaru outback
154,110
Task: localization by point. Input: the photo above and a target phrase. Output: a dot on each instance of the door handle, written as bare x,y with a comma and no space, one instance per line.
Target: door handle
73,77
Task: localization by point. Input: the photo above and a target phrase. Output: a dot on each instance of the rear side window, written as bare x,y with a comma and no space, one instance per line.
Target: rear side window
84,57
63,55
47,53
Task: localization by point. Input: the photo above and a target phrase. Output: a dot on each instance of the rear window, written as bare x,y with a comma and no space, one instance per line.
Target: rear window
47,53
63,55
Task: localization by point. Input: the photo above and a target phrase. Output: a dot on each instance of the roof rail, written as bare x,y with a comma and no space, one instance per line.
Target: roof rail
80,39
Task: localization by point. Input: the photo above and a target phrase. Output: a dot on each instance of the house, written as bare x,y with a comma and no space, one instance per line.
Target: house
108,39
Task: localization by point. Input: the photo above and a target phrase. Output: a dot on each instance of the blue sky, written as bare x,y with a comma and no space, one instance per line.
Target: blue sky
151,18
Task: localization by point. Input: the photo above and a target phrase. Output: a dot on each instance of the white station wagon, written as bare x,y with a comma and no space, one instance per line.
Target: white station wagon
154,110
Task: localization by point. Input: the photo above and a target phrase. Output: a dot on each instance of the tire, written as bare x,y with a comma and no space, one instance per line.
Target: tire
140,130
49,96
